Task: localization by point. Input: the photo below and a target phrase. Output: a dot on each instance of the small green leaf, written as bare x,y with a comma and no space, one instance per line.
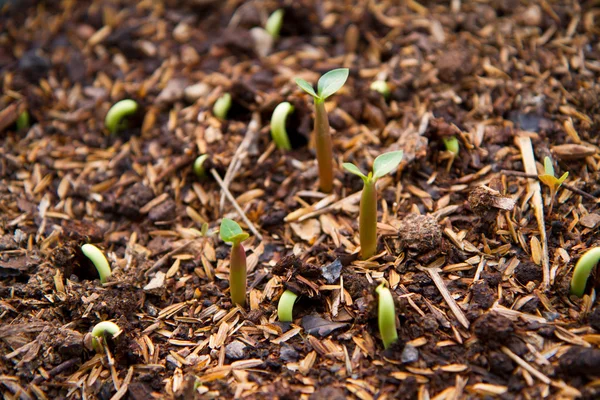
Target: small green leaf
385,163
548,166
562,178
307,87
231,232
331,82
273,25
353,169
452,145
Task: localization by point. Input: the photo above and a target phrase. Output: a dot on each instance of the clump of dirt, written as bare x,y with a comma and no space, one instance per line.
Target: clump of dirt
298,275
580,361
528,272
420,233
493,329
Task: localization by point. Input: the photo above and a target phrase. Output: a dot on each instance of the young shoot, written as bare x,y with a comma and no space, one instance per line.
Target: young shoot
115,118
199,169
101,330
222,106
452,145
23,121
367,220
327,85
583,269
278,120
100,262
231,232
381,87
551,181
273,25
386,316
286,306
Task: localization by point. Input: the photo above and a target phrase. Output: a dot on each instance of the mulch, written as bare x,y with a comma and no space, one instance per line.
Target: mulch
478,266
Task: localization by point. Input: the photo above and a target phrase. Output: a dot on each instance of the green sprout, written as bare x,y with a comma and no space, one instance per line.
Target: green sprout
273,25
381,87
583,269
199,166
286,306
386,316
278,132
115,118
222,106
367,223
101,330
231,232
98,259
23,121
328,84
551,181
452,145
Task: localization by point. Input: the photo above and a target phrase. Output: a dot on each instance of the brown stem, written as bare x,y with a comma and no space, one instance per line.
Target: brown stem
368,220
237,275
324,147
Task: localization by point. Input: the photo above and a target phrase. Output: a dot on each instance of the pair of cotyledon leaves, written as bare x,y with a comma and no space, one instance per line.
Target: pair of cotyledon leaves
383,165
327,85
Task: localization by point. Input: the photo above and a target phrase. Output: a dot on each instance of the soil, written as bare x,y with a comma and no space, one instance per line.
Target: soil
481,284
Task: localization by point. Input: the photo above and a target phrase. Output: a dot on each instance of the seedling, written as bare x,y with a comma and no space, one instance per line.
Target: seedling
222,106
115,118
381,87
278,132
23,121
583,269
273,25
98,259
231,232
199,166
367,222
386,316
328,84
286,306
452,145
551,181
101,330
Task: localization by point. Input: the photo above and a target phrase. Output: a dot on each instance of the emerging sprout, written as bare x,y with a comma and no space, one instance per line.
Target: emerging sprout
286,306
231,232
23,121
383,165
98,259
328,84
278,132
101,330
115,118
222,106
381,87
583,269
452,145
199,166
273,25
551,181
386,316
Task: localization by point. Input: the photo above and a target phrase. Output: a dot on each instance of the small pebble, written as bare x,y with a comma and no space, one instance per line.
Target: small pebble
288,353
410,354
235,350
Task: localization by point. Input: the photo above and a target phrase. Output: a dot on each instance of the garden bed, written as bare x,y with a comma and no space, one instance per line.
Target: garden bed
478,263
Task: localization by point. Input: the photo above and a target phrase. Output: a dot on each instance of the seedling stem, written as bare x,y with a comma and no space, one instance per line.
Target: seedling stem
583,269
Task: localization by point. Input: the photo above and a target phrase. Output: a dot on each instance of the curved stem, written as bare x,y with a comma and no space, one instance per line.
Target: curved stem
98,259
583,269
286,306
237,274
101,330
386,316
368,220
324,147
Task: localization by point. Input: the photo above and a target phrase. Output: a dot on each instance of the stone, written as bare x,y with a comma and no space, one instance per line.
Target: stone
235,350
